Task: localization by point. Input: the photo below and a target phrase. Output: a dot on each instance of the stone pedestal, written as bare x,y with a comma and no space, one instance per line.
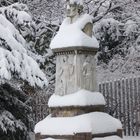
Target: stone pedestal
75,70
71,111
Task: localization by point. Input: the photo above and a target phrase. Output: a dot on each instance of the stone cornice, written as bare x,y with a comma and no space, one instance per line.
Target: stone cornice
87,107
75,50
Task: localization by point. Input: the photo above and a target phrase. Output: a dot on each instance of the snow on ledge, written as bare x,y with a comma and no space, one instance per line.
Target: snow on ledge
71,35
80,98
49,139
109,138
95,123
104,138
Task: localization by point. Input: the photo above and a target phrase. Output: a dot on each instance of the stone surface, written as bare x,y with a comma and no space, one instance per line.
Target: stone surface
74,110
74,72
73,10
88,29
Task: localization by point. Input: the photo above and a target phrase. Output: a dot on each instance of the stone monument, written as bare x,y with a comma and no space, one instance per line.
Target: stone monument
76,64
76,99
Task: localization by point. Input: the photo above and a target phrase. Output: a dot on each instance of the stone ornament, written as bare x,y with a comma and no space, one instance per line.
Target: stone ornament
88,72
65,75
74,11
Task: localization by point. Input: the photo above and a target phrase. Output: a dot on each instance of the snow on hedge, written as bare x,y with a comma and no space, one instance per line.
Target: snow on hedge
71,35
108,26
80,98
14,53
76,1
130,27
96,122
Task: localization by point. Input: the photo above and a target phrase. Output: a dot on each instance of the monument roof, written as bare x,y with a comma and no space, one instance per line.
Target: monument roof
71,35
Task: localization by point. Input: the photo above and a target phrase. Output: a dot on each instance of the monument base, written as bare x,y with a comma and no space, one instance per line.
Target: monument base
70,111
95,124
78,116
83,136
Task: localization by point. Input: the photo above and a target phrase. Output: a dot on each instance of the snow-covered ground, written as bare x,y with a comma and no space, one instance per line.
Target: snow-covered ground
125,138
131,138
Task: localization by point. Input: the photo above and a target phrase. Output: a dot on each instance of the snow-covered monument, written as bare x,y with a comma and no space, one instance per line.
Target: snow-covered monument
76,108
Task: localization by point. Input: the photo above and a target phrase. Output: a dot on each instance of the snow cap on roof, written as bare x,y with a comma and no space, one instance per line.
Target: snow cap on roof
71,35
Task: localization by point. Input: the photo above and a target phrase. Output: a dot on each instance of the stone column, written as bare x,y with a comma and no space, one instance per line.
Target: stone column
75,69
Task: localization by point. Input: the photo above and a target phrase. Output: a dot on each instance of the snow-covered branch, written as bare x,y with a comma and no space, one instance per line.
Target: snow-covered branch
15,58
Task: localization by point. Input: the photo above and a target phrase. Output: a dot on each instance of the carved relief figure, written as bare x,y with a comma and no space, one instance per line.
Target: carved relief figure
65,73
60,84
88,73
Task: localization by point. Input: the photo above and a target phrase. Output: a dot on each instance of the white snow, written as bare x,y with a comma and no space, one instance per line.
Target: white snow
10,34
23,17
131,137
130,28
118,138
110,138
52,139
101,27
14,55
96,122
8,122
71,35
120,67
80,98
48,139
76,1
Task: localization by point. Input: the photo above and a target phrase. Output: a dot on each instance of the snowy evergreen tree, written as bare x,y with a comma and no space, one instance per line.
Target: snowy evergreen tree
19,71
17,60
15,114
44,34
